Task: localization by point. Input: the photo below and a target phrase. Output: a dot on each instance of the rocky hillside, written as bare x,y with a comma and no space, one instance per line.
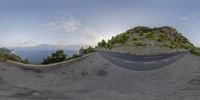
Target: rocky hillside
5,54
145,41
4,50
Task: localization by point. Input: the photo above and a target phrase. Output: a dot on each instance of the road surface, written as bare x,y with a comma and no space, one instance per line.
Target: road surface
142,63
95,78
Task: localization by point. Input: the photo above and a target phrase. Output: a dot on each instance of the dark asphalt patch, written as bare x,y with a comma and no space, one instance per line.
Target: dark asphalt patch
101,73
84,73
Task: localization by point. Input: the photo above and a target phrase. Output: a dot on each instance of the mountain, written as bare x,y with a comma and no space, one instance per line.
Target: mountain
51,47
5,54
143,40
4,50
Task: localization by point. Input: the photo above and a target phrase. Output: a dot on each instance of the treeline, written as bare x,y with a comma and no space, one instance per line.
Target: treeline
195,51
120,38
60,56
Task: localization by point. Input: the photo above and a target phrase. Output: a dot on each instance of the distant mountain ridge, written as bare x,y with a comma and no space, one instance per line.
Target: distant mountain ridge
4,50
51,47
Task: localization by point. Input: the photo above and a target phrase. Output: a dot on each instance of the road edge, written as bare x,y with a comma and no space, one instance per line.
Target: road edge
48,66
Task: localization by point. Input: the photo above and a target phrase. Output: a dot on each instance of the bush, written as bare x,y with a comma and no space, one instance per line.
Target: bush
109,46
159,39
162,36
186,46
138,43
83,51
120,38
141,33
195,51
102,43
149,35
135,39
58,56
90,50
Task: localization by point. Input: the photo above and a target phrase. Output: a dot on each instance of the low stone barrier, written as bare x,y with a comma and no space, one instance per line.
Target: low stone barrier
48,66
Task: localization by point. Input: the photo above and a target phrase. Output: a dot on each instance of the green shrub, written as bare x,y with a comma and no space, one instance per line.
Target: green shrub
138,43
102,43
175,44
141,34
120,38
195,51
159,39
149,35
109,46
171,47
135,39
186,46
83,51
58,56
162,36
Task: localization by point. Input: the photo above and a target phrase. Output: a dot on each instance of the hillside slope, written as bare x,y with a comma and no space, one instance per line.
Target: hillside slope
5,54
146,41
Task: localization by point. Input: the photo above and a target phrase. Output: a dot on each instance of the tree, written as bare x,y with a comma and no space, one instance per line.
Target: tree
102,43
90,49
58,56
82,51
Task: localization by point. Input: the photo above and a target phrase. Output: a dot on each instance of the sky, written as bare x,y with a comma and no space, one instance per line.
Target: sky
71,22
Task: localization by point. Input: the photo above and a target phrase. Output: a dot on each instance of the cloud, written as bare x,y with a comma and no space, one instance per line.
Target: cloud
62,25
183,18
72,29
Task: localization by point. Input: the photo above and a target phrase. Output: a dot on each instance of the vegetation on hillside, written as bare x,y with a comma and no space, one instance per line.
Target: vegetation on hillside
55,57
60,56
83,51
195,51
5,54
141,36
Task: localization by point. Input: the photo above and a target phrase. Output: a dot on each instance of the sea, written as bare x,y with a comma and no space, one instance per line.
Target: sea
37,56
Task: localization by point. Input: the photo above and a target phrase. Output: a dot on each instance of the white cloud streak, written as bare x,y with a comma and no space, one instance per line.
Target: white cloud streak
71,28
183,18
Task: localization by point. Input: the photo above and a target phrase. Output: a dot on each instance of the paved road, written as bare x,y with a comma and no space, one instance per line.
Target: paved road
142,63
95,78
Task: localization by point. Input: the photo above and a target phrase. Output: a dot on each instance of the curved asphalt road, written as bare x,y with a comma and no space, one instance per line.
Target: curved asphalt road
141,63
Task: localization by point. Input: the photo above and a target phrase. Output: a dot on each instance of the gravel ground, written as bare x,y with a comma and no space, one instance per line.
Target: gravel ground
94,78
